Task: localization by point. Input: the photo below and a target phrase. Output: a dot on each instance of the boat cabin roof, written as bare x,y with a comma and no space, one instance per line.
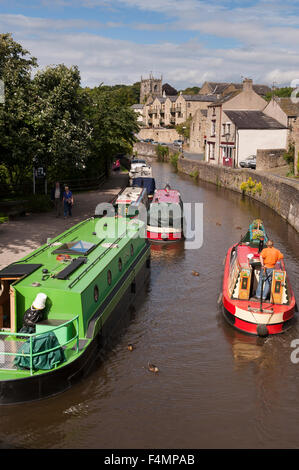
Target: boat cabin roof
170,196
129,195
70,261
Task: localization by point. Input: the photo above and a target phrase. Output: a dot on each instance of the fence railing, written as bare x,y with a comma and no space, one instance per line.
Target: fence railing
31,354
26,188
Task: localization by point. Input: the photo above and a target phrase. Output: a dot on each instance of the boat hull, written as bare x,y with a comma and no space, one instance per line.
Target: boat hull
246,315
256,329
154,237
48,384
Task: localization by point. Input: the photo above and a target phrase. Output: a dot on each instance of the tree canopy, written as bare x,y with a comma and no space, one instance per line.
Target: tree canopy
49,120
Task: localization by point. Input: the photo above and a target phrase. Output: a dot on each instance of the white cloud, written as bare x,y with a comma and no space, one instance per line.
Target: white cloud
267,42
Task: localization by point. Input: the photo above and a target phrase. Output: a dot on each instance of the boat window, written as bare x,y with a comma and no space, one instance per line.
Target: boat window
109,277
76,247
120,264
122,209
165,215
96,293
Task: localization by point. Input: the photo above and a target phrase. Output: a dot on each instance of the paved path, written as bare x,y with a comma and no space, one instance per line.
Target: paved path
24,234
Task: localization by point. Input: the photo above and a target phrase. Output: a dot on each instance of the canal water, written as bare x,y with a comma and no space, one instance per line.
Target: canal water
216,388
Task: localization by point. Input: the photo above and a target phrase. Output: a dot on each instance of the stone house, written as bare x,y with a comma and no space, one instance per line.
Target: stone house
165,111
161,112
139,110
198,126
231,137
285,111
250,131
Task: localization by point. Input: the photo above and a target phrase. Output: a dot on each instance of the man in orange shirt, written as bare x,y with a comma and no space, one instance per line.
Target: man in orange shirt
268,257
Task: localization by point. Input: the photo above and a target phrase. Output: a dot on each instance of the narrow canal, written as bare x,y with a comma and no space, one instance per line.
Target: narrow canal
216,388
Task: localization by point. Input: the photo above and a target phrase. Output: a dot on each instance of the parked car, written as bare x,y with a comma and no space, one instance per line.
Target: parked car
178,143
149,140
249,162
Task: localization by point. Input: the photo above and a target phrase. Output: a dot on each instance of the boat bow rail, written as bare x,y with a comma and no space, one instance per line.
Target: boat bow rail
11,344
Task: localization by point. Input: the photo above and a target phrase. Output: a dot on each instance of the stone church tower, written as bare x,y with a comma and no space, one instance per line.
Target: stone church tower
150,87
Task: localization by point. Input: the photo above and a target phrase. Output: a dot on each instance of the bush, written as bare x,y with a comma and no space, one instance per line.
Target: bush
3,218
162,153
251,186
174,159
195,174
39,203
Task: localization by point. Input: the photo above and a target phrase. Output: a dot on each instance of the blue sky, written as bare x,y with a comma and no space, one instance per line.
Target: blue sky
187,41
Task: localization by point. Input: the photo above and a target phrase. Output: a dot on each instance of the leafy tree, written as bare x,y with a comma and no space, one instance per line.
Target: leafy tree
183,129
58,121
127,94
284,92
17,142
113,125
191,90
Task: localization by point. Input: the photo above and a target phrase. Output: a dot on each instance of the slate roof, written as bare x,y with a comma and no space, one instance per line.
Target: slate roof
226,98
291,109
210,98
217,87
137,106
261,90
253,120
172,98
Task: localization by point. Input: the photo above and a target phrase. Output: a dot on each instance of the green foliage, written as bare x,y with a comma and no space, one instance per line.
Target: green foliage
258,234
3,218
195,174
17,142
289,157
191,90
174,159
113,126
57,118
39,203
284,92
127,95
50,121
251,186
162,152
183,129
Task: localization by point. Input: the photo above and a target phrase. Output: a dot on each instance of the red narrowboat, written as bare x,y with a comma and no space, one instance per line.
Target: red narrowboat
165,216
241,308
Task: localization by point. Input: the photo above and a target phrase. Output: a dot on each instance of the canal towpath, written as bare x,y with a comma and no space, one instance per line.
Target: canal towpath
24,234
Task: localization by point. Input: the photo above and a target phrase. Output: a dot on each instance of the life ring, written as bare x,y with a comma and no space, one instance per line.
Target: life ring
63,258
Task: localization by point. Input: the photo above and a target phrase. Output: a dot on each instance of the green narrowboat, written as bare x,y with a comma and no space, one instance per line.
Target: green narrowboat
58,303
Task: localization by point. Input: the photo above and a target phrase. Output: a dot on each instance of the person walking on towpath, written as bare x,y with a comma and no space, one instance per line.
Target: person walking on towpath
57,196
68,202
268,257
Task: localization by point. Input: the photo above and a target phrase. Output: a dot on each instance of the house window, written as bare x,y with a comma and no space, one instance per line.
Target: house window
188,104
228,128
213,128
211,151
214,111
223,129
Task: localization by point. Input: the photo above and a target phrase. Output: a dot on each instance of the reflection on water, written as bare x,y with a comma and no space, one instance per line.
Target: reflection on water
212,378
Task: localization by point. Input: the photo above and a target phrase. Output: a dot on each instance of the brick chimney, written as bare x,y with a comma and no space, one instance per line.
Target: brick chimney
247,84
